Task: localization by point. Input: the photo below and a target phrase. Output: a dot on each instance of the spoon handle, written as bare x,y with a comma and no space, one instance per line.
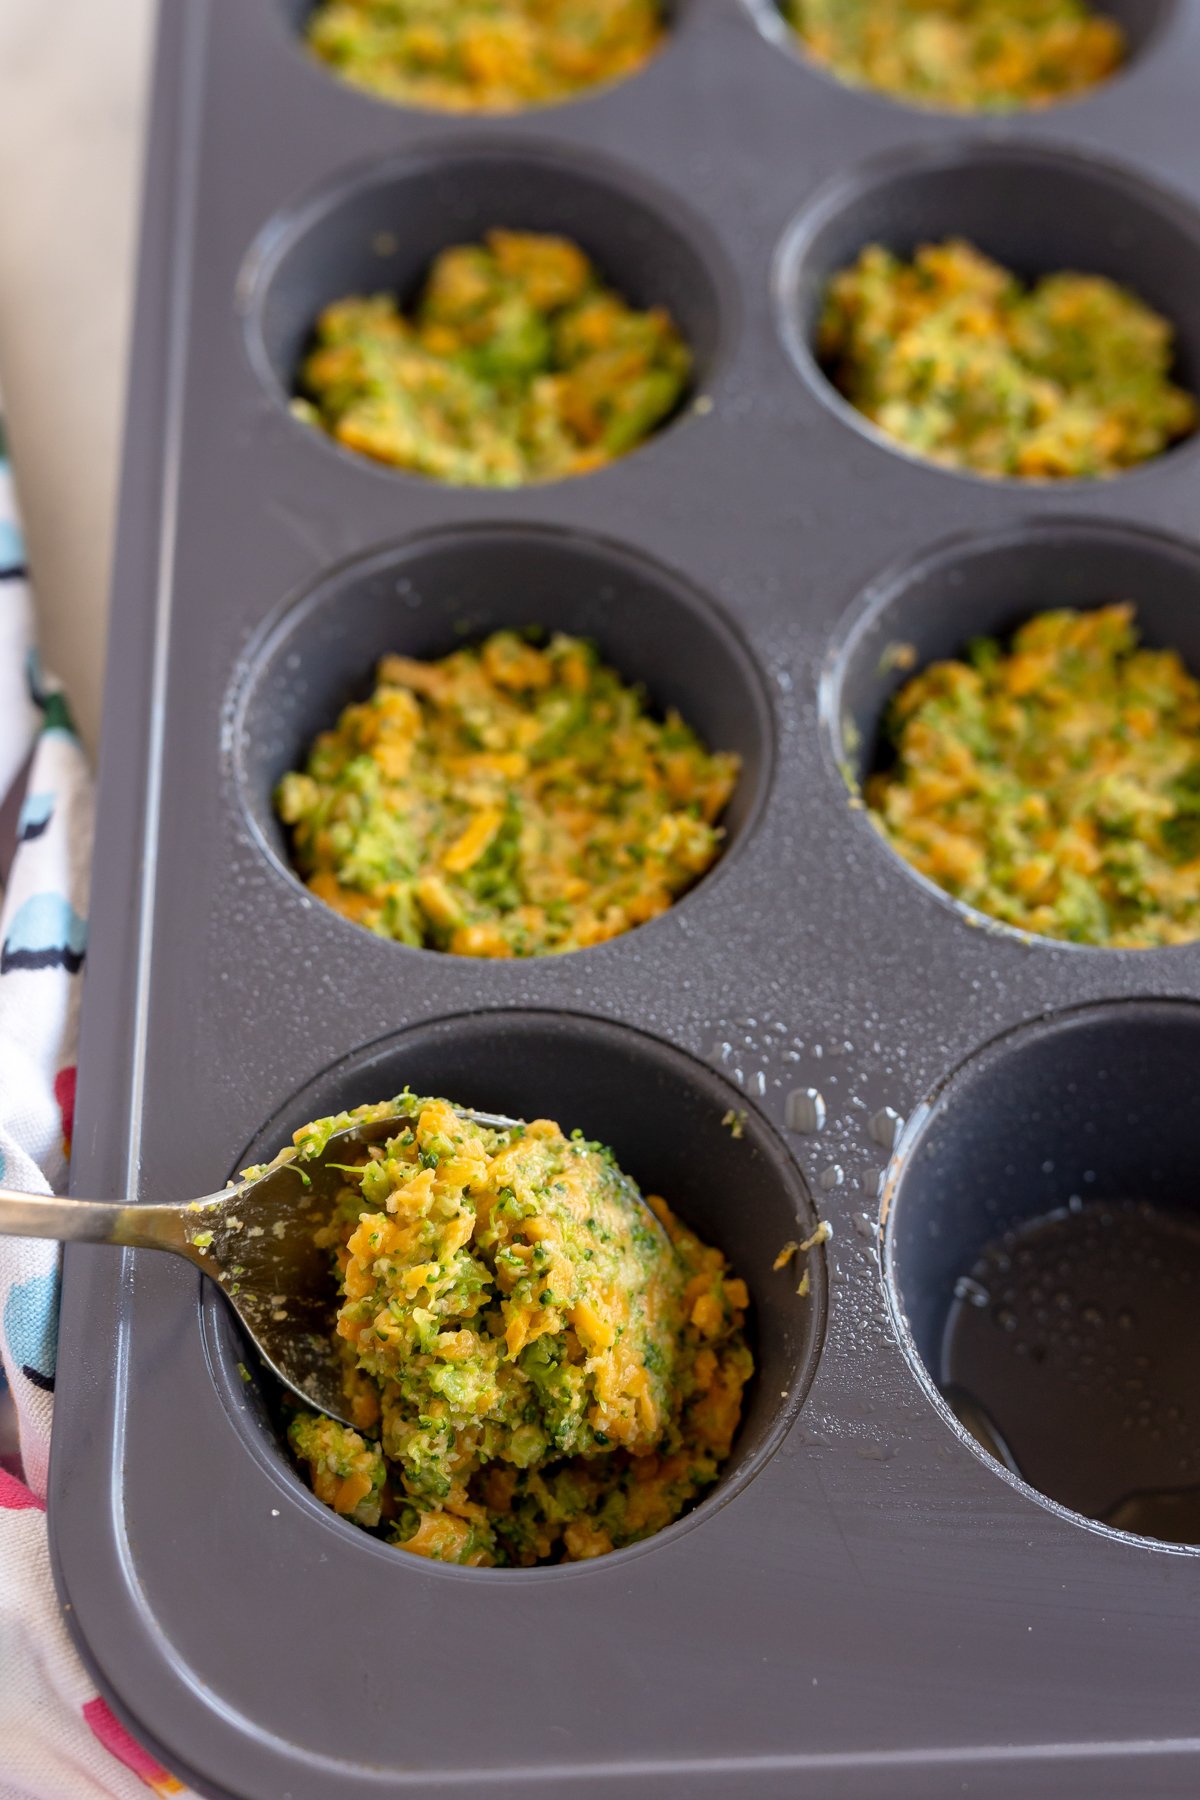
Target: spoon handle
95,1222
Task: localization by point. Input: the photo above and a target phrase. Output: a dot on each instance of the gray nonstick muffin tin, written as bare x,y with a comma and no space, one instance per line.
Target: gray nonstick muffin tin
867,1605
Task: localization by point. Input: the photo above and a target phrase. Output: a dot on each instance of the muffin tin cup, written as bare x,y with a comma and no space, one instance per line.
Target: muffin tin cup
377,229
1145,23
912,616
1077,1117
429,596
866,1604
1075,213
662,1114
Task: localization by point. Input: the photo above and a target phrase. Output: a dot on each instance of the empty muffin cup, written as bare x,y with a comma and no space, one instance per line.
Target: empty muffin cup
1042,1251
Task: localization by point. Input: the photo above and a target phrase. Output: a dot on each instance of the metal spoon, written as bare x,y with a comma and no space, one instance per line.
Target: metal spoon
254,1240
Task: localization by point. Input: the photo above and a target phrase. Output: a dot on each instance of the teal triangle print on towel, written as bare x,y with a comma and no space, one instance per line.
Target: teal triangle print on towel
12,550
36,813
45,933
31,1326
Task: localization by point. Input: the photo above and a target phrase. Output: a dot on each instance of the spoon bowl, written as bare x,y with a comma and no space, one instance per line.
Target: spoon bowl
256,1239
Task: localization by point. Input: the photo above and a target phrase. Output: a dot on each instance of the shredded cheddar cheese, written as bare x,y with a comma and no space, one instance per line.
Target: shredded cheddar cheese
961,362
1054,783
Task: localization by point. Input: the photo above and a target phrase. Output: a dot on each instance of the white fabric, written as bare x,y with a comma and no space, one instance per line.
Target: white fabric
58,1739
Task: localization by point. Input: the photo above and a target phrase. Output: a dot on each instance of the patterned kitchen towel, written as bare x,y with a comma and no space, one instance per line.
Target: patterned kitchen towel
58,1738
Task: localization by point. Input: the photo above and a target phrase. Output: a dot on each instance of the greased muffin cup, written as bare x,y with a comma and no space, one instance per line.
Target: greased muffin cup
868,1602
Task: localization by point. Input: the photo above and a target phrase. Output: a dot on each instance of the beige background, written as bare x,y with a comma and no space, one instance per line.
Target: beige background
72,77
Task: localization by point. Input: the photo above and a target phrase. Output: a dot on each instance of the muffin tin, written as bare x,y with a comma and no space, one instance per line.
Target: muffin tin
866,1604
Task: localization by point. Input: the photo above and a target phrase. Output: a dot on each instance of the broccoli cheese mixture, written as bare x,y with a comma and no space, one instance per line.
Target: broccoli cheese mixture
957,359
516,364
505,801
539,1367
1055,783
964,55
484,55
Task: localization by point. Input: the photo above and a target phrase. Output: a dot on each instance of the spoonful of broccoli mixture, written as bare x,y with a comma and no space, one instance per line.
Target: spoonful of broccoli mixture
538,1362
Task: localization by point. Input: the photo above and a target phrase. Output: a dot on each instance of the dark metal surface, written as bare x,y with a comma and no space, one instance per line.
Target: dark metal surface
867,1606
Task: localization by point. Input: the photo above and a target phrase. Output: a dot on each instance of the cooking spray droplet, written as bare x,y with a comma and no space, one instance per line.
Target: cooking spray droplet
805,1110
885,1127
832,1177
973,1292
